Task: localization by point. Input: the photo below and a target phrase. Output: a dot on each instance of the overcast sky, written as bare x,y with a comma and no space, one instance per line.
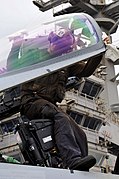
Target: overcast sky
20,14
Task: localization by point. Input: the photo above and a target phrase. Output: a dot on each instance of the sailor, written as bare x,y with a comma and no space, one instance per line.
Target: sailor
38,100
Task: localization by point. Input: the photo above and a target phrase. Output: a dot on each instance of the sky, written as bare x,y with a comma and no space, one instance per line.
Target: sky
20,14
17,14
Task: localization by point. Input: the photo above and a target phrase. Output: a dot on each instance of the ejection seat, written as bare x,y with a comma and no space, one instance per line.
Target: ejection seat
37,142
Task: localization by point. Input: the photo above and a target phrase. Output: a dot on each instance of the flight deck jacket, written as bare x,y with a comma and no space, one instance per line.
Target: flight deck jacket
52,87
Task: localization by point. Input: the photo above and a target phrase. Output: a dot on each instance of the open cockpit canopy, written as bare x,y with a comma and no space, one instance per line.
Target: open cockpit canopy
68,39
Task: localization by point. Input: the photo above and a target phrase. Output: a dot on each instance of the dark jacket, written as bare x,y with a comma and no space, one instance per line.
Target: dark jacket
53,86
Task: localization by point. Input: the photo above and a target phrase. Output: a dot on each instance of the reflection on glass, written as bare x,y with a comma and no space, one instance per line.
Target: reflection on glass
51,40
